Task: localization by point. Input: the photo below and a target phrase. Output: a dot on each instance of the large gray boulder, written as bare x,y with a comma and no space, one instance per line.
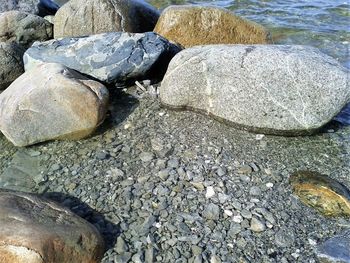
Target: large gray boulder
111,57
11,63
24,28
51,102
89,17
36,230
273,89
29,6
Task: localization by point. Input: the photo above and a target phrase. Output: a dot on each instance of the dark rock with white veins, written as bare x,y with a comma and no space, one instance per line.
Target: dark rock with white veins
111,57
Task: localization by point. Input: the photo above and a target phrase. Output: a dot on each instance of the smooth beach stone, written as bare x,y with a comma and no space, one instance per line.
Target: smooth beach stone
335,249
269,89
321,192
29,6
11,63
111,57
24,28
89,17
36,230
202,25
51,102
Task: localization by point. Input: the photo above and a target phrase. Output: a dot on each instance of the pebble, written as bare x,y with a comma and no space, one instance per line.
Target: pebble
121,246
246,214
228,212
254,190
284,237
146,156
210,192
256,225
245,169
173,163
211,212
237,219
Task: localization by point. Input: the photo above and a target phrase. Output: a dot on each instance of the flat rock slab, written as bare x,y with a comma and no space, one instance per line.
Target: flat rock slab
89,17
112,57
24,172
24,28
191,25
36,230
51,102
335,249
271,89
321,192
11,63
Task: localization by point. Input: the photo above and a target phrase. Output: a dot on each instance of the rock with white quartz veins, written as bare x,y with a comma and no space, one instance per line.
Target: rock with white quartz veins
24,28
89,17
11,64
36,230
111,57
275,89
51,102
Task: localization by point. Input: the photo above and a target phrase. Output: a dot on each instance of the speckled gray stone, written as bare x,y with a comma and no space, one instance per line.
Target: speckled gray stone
275,89
111,57
30,6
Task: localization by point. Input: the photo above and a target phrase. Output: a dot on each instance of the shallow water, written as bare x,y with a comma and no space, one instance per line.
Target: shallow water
323,24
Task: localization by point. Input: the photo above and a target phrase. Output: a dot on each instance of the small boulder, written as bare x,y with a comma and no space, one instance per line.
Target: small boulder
11,63
111,57
321,192
51,102
269,89
36,230
202,25
29,6
89,17
24,28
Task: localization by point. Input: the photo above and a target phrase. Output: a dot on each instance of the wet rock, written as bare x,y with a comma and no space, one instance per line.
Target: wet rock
202,25
11,64
112,57
24,173
335,249
29,6
89,17
321,192
33,229
270,89
24,28
72,104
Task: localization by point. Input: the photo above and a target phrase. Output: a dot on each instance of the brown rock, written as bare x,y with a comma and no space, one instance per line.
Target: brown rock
36,230
203,25
89,17
24,28
51,102
321,192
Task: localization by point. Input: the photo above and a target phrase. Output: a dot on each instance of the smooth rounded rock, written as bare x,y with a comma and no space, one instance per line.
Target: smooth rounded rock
36,230
111,57
89,17
11,63
321,192
51,102
202,25
24,28
269,89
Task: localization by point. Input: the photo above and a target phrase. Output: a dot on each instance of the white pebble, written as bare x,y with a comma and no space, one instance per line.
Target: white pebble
210,192
228,212
259,137
269,185
237,219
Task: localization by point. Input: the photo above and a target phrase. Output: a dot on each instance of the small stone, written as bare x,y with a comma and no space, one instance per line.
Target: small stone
237,219
163,174
215,259
246,214
196,250
259,137
211,212
335,249
149,255
55,167
146,156
321,192
223,198
245,169
101,155
269,185
284,237
254,190
228,212
234,230
137,258
221,171
210,192
121,246
173,163
256,225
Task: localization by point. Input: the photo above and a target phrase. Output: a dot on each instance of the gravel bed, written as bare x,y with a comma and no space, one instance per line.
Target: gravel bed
169,186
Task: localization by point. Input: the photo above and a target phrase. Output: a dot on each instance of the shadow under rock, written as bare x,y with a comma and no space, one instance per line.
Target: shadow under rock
121,105
108,230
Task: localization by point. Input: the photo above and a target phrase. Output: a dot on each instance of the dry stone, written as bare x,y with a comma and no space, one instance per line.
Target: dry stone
51,102
202,25
273,89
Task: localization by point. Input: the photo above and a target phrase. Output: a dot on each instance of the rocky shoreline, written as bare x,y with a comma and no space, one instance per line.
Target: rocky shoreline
146,183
